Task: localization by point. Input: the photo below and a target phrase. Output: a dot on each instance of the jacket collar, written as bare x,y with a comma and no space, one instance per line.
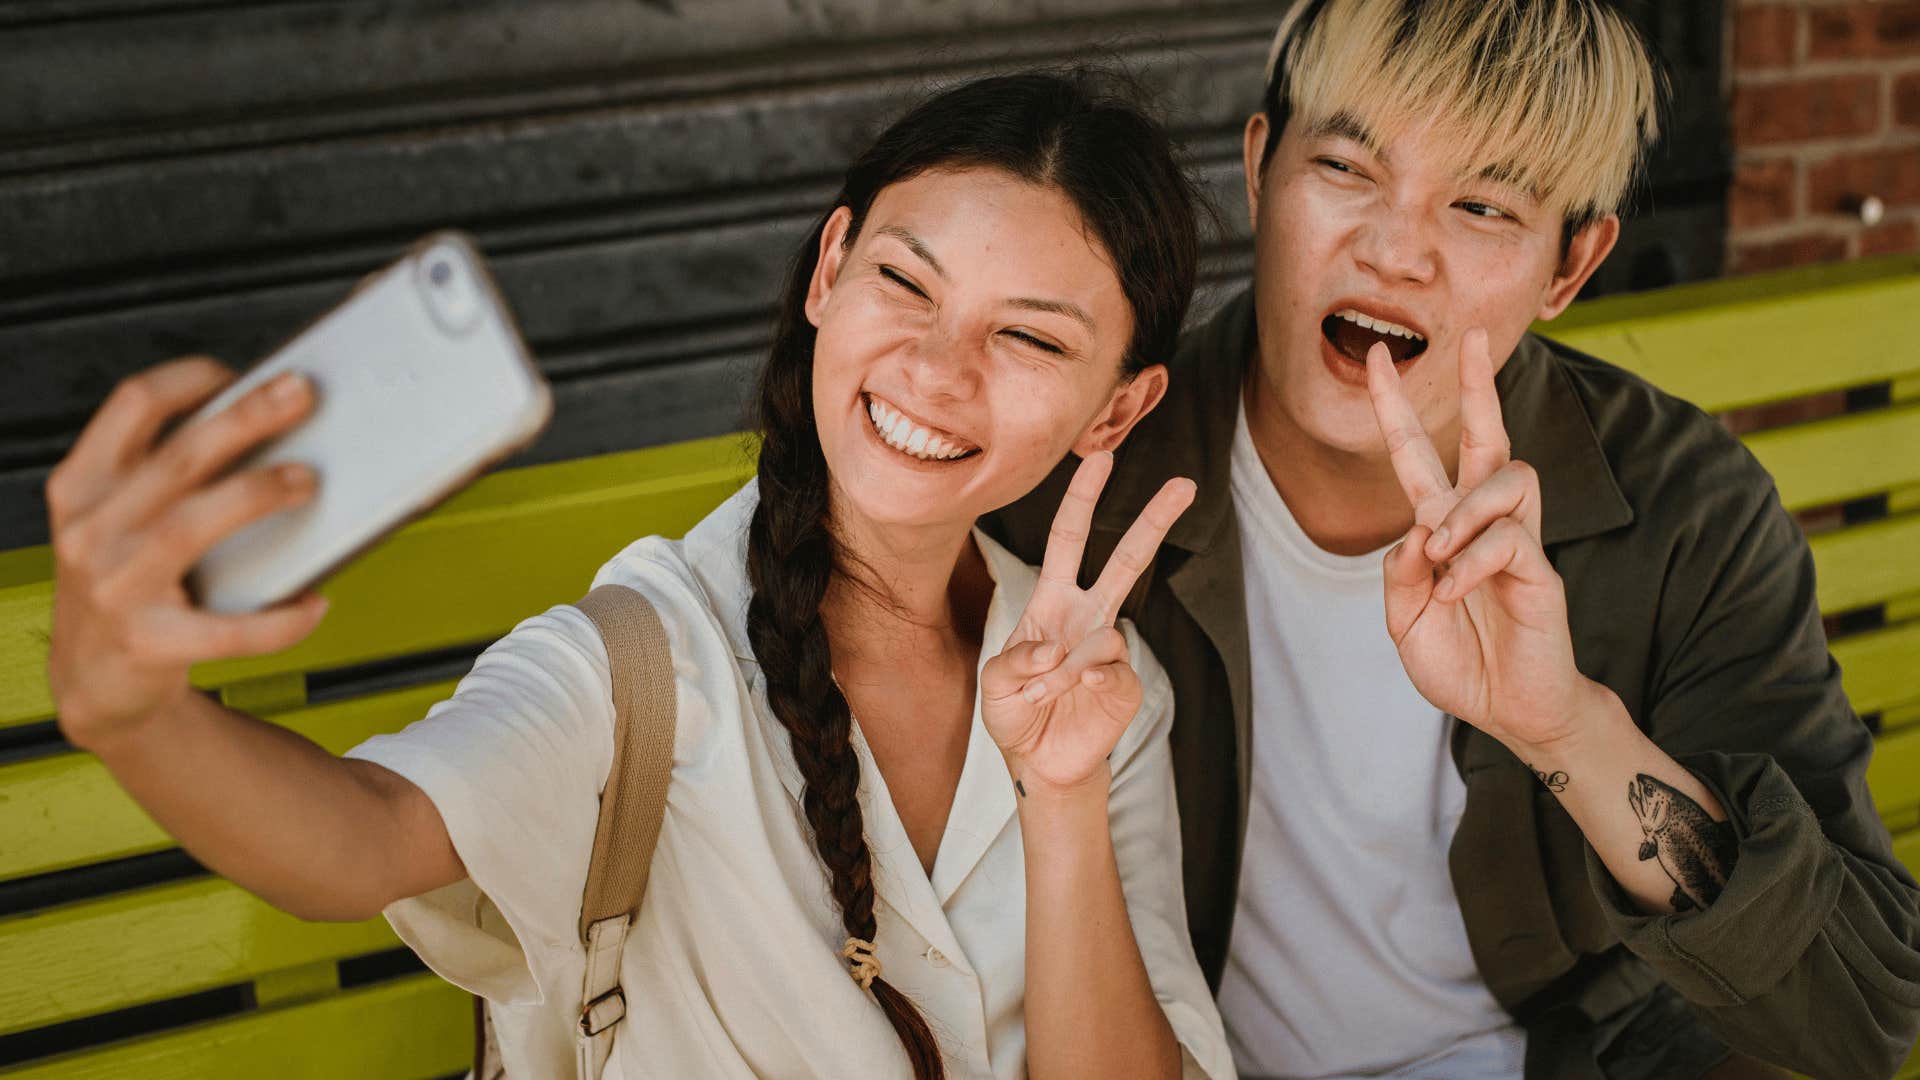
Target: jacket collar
1191,434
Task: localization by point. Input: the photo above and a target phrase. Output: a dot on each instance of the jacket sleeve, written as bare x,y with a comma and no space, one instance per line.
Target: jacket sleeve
1811,955
1144,819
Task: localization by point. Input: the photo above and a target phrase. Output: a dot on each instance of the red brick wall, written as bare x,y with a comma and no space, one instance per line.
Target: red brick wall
1826,111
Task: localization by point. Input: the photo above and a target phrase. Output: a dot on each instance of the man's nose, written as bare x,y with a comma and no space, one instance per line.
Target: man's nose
1398,247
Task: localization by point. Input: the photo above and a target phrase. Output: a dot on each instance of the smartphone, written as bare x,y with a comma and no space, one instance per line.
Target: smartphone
421,381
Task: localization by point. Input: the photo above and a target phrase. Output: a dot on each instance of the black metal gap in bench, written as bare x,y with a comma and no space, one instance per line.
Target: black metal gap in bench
100,879
414,669
92,1031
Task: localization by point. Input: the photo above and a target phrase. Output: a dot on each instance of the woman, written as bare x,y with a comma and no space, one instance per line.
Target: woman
999,274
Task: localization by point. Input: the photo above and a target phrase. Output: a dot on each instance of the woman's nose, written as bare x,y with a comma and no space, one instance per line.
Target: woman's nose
944,363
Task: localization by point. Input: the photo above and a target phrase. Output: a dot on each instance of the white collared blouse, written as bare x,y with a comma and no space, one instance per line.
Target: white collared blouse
733,967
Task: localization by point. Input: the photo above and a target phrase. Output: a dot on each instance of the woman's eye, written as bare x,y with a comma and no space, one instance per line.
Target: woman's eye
1029,339
900,279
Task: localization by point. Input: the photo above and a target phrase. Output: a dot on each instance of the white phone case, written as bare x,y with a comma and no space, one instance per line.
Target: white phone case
421,381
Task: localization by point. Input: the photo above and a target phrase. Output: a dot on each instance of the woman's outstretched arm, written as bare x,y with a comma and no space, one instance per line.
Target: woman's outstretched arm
132,508
315,835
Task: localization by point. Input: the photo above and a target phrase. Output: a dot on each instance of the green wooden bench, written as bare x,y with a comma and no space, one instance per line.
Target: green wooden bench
522,540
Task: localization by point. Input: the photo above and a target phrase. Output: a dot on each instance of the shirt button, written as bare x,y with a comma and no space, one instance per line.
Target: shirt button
936,957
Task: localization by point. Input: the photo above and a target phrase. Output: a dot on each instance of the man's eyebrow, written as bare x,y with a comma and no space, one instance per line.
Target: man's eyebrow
899,232
1345,125
1510,174
1057,307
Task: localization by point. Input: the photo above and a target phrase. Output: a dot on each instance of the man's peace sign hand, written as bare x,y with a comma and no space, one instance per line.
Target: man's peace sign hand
1478,613
1062,691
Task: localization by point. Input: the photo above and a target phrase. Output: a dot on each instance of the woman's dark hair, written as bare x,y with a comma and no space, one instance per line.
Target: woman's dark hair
1072,132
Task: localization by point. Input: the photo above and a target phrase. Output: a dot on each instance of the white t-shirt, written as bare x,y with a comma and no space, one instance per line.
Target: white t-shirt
733,967
1349,957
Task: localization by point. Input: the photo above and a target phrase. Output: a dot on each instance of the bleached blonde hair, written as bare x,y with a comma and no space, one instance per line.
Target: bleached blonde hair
1557,97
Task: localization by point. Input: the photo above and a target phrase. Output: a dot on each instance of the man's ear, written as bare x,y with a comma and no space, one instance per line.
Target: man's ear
1130,404
1588,249
826,266
1253,151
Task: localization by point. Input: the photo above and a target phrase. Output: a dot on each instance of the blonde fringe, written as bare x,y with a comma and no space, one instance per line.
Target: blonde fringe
1557,97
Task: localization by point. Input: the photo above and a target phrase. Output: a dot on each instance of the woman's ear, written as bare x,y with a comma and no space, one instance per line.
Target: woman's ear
1130,404
826,266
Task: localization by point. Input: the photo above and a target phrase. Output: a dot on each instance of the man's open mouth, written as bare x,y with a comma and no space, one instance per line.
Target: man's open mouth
1353,333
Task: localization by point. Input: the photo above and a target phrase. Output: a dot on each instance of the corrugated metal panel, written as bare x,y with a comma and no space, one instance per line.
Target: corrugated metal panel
184,176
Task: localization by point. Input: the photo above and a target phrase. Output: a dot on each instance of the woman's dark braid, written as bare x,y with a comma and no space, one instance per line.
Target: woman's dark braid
790,563
1070,131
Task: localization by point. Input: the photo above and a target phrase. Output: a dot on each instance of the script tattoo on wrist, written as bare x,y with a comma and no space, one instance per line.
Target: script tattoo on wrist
1556,781
1696,851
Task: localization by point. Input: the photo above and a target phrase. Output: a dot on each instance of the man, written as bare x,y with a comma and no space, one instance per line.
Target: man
1508,741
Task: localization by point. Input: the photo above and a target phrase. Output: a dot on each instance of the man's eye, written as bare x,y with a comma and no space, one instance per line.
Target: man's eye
1035,342
900,279
1339,166
1480,209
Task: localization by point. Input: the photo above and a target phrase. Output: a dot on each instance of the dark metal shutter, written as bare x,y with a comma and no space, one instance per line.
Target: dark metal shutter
203,176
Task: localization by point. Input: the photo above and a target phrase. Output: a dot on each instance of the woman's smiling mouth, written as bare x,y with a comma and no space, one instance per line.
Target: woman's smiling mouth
916,440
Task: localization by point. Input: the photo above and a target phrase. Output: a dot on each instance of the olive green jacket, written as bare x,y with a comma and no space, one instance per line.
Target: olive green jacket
1690,593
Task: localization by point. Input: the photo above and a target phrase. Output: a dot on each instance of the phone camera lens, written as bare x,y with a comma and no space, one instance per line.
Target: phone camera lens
440,273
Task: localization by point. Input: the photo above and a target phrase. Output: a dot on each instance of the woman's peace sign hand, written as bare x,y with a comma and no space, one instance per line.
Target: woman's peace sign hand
1061,692
1478,613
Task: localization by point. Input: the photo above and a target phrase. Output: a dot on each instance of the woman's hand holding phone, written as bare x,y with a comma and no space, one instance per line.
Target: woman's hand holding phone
133,507
1061,693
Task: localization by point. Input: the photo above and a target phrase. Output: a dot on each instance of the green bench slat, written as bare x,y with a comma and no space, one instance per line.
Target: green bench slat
66,810
1894,778
403,1030
150,944
513,545
1842,458
1868,564
1880,669
1744,341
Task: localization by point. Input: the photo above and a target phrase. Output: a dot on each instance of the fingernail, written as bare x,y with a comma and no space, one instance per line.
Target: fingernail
320,605
287,387
1049,653
1095,677
296,476
1034,692
1439,541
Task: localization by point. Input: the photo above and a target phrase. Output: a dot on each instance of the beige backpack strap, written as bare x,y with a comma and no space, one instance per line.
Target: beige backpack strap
631,806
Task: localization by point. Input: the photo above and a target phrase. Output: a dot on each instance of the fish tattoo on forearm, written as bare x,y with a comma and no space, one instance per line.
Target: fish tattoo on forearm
1696,851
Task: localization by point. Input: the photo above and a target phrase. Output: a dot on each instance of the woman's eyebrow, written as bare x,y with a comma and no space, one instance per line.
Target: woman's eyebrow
900,233
1058,307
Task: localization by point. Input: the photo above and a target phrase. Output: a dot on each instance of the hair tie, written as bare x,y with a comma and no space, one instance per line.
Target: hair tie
862,964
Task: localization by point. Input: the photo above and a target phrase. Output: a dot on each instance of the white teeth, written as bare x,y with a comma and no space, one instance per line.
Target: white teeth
907,437
1380,326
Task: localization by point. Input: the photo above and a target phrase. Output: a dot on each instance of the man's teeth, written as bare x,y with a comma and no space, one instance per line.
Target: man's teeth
1378,326
907,437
